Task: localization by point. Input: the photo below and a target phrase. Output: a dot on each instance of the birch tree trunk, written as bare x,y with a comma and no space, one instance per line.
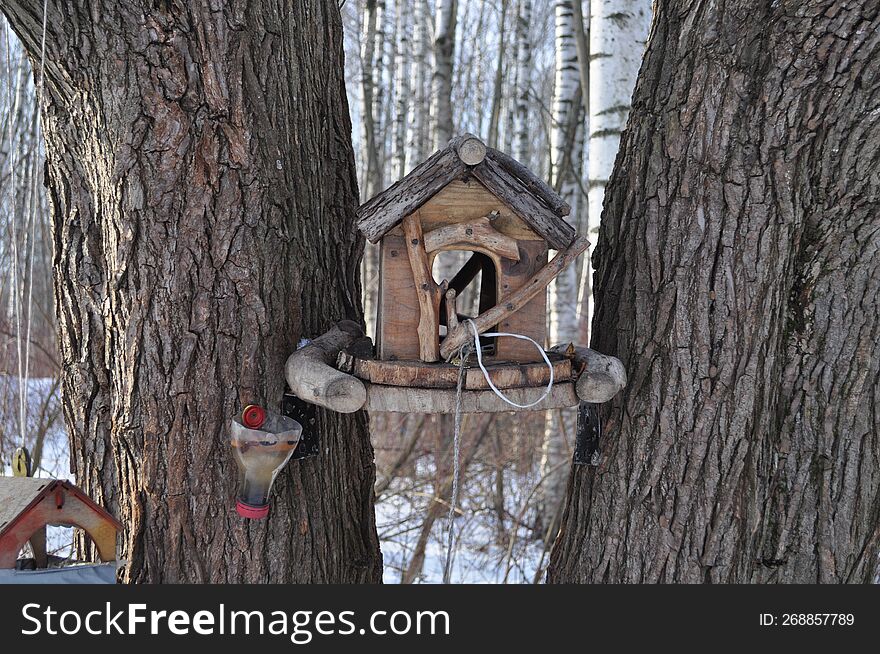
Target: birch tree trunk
402,88
417,133
523,68
201,176
738,279
498,83
444,56
482,69
566,140
378,74
370,156
618,30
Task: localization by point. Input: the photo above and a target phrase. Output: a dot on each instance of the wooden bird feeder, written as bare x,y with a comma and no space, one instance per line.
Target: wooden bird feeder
479,201
29,505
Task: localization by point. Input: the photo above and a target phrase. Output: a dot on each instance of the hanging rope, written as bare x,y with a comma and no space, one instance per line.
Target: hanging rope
16,296
463,354
34,204
31,203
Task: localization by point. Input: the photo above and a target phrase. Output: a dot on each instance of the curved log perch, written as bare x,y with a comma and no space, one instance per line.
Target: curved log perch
603,376
312,377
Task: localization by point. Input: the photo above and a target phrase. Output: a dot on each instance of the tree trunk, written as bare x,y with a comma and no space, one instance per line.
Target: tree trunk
378,72
370,151
567,138
402,88
523,68
498,82
417,133
618,29
738,279
201,175
444,56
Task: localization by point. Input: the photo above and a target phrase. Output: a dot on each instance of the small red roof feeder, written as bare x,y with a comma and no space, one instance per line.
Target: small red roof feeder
28,505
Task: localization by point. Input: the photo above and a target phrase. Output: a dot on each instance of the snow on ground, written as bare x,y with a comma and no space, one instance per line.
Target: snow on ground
479,555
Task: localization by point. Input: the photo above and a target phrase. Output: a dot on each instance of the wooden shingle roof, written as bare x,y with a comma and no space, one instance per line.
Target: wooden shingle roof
466,156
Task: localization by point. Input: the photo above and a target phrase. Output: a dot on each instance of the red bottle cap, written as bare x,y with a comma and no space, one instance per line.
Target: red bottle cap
251,511
253,416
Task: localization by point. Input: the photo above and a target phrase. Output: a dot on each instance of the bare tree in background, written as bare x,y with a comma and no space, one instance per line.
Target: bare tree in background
419,109
567,140
618,30
377,71
402,90
523,80
441,87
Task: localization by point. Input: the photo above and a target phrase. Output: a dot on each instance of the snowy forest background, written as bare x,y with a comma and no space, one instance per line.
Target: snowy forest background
516,71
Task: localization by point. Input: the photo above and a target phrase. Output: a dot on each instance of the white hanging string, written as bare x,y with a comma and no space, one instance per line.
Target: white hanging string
16,296
31,202
486,372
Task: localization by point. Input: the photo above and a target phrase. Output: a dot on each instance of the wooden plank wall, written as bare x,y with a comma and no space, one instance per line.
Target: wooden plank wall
460,201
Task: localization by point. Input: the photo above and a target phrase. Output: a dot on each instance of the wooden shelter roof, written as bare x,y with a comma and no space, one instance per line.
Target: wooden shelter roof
18,494
467,156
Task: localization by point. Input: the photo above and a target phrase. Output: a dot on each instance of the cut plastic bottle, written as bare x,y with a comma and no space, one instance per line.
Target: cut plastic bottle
260,455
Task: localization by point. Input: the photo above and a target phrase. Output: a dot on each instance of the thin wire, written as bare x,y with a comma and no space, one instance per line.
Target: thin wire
16,300
32,219
463,353
34,201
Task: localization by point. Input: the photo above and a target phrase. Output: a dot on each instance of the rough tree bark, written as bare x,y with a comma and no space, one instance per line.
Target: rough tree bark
201,174
738,279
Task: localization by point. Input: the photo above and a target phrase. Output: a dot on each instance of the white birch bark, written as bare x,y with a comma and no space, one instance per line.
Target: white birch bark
566,142
369,157
441,87
379,85
618,31
417,132
401,89
523,80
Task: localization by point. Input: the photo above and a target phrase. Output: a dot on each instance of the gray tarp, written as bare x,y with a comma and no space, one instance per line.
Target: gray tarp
103,573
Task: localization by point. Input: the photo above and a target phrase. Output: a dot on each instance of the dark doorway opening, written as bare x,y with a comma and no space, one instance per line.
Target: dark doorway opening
476,284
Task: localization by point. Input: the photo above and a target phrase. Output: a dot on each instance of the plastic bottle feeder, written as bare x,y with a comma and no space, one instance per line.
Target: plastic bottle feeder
263,443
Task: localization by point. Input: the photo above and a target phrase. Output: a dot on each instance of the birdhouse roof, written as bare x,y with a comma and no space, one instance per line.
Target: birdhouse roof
19,494
466,156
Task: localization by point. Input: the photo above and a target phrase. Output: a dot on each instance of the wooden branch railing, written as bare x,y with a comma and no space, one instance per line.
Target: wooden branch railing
513,302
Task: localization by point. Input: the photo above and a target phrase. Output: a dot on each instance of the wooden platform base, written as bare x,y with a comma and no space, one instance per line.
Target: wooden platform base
360,381
441,400
420,375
